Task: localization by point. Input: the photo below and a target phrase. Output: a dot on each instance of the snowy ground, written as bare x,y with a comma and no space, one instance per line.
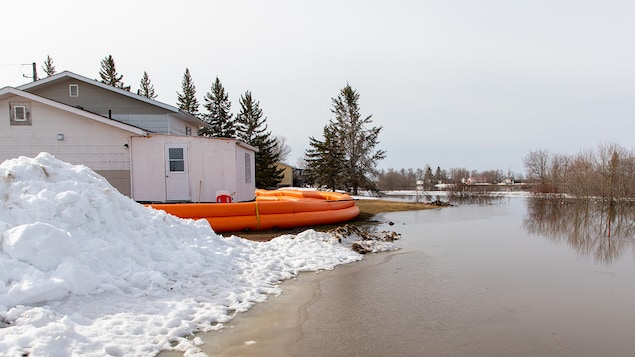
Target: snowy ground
86,271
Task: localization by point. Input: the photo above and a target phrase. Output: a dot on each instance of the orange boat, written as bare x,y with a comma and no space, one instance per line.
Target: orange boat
270,210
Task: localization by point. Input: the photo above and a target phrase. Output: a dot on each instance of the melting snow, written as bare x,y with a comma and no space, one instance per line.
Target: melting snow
87,271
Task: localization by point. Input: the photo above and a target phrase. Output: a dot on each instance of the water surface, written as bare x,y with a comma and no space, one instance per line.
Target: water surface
505,279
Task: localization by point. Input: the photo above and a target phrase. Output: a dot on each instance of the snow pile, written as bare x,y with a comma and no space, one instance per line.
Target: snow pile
86,271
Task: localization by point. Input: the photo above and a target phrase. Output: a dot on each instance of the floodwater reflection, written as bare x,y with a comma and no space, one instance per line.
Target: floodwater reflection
473,198
593,229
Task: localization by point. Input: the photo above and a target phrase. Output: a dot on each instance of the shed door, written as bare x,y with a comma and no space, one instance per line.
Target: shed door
176,172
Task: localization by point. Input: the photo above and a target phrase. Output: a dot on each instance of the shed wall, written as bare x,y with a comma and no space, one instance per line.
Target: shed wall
212,167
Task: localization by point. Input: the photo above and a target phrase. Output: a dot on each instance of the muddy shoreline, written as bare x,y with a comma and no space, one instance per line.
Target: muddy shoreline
275,327
280,316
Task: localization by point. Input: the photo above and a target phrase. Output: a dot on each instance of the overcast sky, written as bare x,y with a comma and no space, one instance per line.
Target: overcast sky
467,84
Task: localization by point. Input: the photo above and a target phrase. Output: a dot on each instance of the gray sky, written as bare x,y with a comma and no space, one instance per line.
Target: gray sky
468,84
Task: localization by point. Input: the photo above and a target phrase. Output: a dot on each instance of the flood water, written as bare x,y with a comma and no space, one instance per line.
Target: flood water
516,277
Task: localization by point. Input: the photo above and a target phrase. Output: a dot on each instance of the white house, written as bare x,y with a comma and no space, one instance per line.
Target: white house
146,149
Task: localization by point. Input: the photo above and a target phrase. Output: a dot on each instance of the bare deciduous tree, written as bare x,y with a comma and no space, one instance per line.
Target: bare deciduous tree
537,166
606,173
281,148
558,171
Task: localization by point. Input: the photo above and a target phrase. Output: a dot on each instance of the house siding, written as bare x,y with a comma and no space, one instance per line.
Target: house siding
178,127
152,123
108,104
96,145
120,179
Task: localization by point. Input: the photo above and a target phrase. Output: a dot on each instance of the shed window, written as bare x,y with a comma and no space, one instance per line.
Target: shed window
177,161
247,168
73,90
20,113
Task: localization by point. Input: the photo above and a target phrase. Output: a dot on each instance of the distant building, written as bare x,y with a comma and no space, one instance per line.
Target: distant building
300,177
475,180
287,179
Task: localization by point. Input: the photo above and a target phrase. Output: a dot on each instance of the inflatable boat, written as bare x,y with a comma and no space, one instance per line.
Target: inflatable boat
279,209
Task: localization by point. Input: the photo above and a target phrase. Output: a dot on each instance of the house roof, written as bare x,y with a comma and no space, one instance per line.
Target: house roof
8,92
187,117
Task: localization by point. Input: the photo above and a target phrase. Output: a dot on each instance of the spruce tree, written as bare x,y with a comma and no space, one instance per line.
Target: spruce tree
325,160
146,88
187,99
438,175
251,128
357,140
48,67
428,177
218,113
109,75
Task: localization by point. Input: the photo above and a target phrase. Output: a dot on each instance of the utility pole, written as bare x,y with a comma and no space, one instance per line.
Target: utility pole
34,72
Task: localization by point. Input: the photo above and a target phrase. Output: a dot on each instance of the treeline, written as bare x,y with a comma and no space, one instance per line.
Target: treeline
608,172
406,179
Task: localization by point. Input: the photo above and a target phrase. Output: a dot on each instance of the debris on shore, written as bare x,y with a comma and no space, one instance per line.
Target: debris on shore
363,240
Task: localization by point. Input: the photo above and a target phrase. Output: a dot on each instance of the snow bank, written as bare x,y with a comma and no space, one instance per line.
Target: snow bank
87,271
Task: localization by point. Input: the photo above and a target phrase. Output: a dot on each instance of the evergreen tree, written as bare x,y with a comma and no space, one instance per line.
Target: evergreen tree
187,100
438,175
109,75
325,160
356,139
218,116
251,128
428,177
48,67
147,89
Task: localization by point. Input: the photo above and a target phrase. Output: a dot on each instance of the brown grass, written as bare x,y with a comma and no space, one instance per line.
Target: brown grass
367,208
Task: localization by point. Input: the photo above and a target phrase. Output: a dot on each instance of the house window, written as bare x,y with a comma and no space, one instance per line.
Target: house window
73,90
20,114
188,131
247,168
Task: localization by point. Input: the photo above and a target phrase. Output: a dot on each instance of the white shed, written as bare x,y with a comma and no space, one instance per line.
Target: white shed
166,168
